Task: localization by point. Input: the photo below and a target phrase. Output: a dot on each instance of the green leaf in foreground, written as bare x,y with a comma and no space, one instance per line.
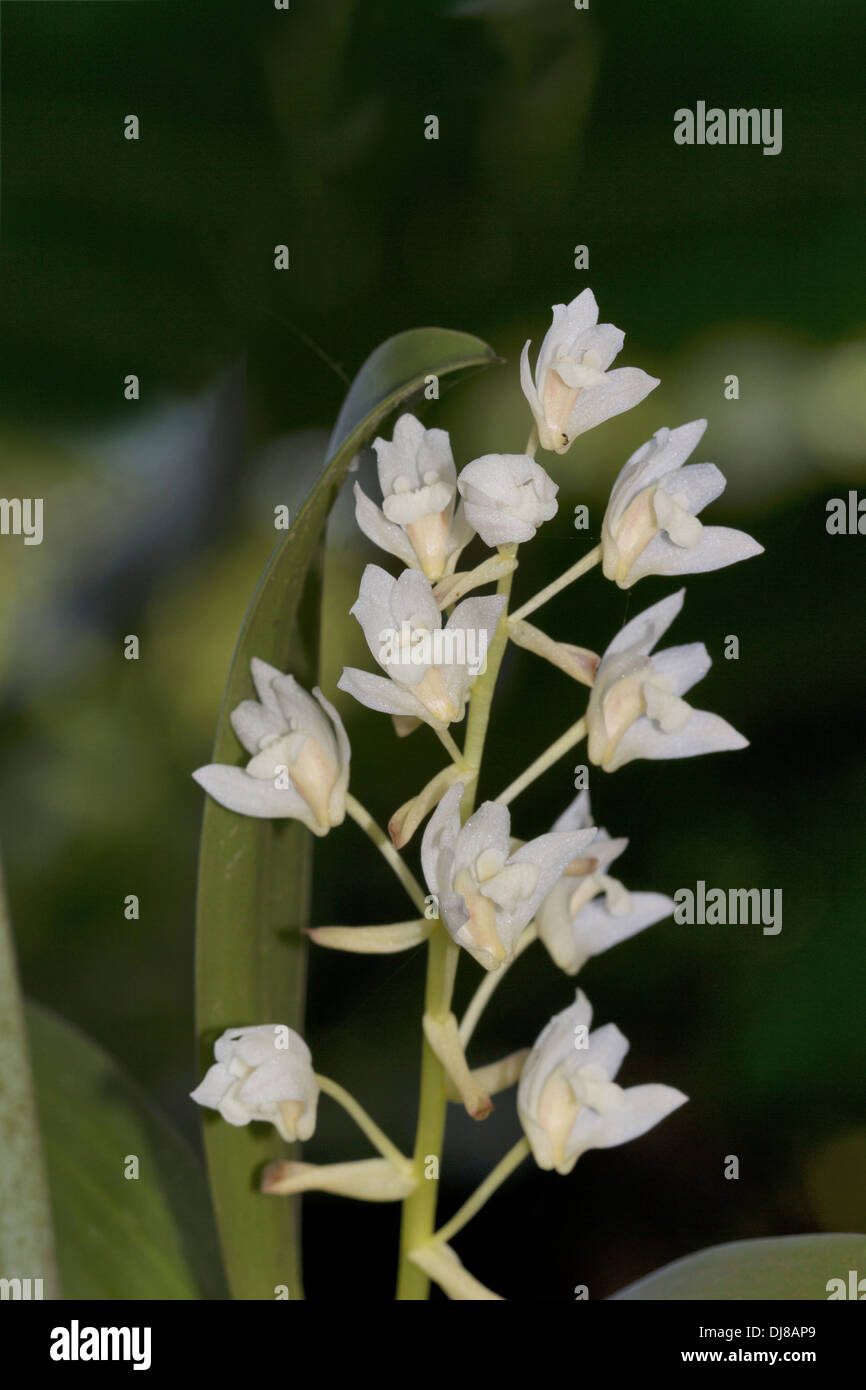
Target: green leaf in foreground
786,1267
26,1239
118,1237
254,875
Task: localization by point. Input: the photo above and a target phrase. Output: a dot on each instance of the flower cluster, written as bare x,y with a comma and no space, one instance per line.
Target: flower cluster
492,894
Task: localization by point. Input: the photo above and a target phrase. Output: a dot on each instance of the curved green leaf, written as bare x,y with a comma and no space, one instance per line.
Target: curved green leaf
26,1238
254,875
786,1267
118,1237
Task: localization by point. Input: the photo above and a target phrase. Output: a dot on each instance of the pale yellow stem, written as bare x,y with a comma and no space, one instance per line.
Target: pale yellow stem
451,749
581,567
552,755
361,816
480,999
504,1168
368,1126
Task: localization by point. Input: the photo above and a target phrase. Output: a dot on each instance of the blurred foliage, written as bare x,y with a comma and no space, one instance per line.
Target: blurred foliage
261,127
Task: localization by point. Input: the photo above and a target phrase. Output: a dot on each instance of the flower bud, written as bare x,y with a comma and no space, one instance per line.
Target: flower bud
507,496
262,1073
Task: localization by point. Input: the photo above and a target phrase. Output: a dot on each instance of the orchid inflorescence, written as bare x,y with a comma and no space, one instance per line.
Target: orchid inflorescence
491,894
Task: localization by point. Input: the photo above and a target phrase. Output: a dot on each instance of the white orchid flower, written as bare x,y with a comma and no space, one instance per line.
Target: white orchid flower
572,390
417,521
430,668
486,894
263,1073
300,755
636,709
587,911
567,1099
651,524
506,496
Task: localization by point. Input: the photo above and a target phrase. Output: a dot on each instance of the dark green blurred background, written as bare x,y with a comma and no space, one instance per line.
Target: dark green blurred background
306,127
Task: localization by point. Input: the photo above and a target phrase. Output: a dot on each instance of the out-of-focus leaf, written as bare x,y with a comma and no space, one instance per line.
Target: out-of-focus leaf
118,1236
26,1238
786,1267
254,875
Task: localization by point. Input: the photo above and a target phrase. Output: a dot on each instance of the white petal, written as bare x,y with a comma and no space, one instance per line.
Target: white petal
499,526
258,1043
526,380
682,667
604,341
263,677
434,455
486,829
704,733
607,1050
697,485
279,1079
253,722
398,457
213,1086
551,854
306,714
412,598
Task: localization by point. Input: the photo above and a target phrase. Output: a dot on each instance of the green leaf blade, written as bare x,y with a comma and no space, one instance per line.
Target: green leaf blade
26,1234
785,1267
255,876
118,1237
